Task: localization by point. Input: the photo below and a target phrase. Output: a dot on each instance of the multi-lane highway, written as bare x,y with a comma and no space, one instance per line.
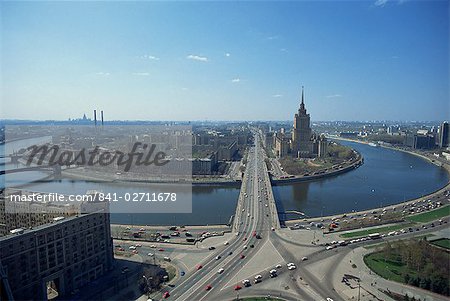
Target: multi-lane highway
258,245
252,224
254,228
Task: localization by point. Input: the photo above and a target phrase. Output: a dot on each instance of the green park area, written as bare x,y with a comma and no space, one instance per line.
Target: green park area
431,215
443,243
414,262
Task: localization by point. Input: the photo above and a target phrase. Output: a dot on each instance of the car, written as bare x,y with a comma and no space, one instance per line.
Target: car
329,299
237,287
242,256
153,246
245,247
226,243
252,246
138,246
258,277
199,267
135,251
220,271
292,267
304,258
166,295
182,273
230,253
132,247
290,263
161,250
245,238
208,287
211,248
246,282
278,266
218,257
151,254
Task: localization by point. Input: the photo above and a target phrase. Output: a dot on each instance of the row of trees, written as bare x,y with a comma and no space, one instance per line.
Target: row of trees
426,266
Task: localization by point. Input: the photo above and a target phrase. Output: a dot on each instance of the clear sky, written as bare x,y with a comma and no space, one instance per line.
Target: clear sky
358,60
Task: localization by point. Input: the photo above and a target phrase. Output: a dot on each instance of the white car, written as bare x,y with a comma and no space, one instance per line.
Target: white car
151,254
220,271
278,266
292,267
226,243
290,263
132,247
304,258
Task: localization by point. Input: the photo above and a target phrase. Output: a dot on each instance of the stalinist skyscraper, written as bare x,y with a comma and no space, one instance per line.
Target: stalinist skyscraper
301,134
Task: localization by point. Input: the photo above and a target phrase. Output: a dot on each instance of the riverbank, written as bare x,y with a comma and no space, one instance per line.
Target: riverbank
338,169
436,193
81,173
295,179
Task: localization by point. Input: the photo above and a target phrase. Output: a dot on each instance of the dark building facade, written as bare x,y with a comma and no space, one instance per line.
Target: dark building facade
59,257
444,134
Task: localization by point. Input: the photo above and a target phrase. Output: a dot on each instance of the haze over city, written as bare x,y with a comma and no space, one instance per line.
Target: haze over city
358,60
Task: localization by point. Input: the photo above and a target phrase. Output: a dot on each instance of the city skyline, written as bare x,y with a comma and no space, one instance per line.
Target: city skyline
369,60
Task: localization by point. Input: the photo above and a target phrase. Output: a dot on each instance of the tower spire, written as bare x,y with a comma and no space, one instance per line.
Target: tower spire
303,95
302,104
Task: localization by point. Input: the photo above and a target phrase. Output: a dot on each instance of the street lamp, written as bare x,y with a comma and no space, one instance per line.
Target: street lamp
147,283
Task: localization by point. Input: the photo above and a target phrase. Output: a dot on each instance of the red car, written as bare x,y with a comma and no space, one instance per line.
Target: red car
242,256
208,287
161,250
237,287
245,238
199,267
254,233
166,295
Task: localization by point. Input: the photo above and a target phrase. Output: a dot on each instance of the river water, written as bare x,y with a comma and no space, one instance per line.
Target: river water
386,177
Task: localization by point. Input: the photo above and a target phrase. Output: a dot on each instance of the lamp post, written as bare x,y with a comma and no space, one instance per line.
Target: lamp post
147,283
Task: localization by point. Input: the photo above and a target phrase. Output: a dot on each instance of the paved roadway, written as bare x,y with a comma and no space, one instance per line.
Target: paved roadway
249,219
255,214
314,279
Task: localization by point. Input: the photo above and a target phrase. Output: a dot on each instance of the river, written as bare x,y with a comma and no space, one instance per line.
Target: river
386,177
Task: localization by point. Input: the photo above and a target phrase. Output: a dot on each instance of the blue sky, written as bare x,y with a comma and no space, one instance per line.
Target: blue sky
358,60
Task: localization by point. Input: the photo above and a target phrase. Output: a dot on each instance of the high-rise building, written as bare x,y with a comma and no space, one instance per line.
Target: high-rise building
444,134
44,260
301,133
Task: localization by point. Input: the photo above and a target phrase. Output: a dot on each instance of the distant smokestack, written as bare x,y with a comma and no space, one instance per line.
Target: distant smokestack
95,117
101,112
